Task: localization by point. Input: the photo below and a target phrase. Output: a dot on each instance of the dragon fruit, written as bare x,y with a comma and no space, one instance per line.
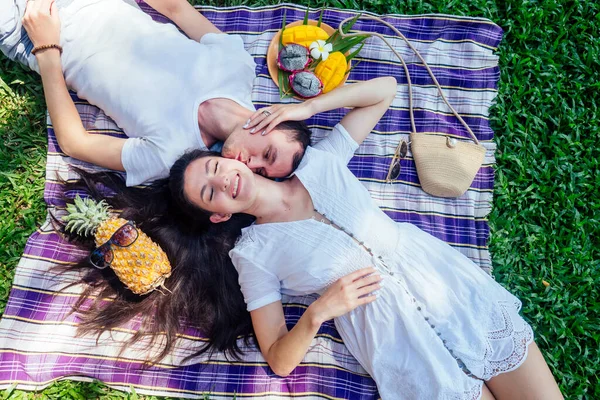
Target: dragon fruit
306,84
293,57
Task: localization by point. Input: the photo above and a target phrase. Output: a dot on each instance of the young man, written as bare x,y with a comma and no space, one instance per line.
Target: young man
168,92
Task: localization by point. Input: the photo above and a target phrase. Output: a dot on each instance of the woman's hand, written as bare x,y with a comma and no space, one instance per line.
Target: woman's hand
347,293
41,22
267,118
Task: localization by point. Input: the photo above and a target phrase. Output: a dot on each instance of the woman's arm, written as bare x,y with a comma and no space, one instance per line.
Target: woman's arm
284,349
370,100
43,27
187,18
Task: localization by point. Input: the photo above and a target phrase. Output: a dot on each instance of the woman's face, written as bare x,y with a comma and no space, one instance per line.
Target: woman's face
220,185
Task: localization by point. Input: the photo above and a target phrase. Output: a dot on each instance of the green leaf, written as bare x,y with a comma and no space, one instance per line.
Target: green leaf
4,87
355,52
283,81
354,66
6,394
305,21
345,45
286,83
280,47
280,82
282,28
76,395
350,23
133,395
320,17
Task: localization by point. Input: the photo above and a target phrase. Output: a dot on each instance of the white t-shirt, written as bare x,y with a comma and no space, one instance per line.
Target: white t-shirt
150,79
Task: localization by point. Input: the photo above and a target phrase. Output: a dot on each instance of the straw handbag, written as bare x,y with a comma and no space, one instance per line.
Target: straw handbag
446,166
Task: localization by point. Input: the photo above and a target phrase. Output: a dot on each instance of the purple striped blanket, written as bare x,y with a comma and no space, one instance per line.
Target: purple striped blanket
37,344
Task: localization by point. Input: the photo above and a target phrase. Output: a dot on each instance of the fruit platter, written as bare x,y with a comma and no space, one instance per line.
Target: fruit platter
308,58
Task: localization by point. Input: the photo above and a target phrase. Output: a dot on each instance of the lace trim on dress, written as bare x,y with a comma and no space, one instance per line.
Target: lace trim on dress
521,341
475,392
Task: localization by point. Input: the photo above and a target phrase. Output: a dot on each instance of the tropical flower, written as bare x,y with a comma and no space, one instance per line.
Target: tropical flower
320,49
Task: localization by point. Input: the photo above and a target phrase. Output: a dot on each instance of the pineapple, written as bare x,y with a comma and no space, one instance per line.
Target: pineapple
142,266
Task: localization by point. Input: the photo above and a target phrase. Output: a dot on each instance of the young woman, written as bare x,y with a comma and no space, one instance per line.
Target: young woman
421,318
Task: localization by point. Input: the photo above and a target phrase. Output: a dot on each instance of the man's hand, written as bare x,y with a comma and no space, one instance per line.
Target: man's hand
369,99
41,22
267,118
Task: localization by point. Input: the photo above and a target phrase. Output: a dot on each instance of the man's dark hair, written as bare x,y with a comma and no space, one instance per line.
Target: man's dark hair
297,131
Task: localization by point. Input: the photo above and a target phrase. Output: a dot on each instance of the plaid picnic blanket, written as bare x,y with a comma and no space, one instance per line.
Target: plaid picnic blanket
37,343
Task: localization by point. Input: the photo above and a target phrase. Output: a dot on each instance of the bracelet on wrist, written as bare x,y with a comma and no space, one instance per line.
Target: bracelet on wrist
46,47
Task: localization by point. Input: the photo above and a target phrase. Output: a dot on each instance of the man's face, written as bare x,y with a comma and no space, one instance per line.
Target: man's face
271,155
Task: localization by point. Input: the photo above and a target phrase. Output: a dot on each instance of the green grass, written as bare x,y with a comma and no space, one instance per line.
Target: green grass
68,389
22,165
545,217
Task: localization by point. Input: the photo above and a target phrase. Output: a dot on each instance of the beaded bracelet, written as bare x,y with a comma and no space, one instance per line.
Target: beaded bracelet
46,46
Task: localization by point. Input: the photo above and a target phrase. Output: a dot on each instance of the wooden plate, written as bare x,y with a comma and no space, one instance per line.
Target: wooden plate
273,50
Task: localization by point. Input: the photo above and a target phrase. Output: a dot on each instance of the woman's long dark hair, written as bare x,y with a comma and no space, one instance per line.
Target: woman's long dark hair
203,290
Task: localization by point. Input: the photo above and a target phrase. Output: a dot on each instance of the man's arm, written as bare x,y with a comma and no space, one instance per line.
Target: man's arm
187,18
369,99
43,27
74,140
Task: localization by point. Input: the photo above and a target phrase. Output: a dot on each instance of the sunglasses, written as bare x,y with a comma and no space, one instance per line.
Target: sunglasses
395,166
125,236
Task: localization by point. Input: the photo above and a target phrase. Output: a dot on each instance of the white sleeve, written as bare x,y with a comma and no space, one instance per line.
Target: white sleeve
241,75
142,161
260,286
232,44
339,143
222,39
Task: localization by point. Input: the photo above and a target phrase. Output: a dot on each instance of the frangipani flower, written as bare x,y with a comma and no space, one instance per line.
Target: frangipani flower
320,49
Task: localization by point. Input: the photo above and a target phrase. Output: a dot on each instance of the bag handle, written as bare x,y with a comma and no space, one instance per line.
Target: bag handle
410,99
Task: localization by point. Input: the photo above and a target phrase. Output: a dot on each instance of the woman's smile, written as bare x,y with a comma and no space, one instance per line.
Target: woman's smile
235,187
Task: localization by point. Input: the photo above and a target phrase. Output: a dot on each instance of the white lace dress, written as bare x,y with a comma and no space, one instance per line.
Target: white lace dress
440,327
